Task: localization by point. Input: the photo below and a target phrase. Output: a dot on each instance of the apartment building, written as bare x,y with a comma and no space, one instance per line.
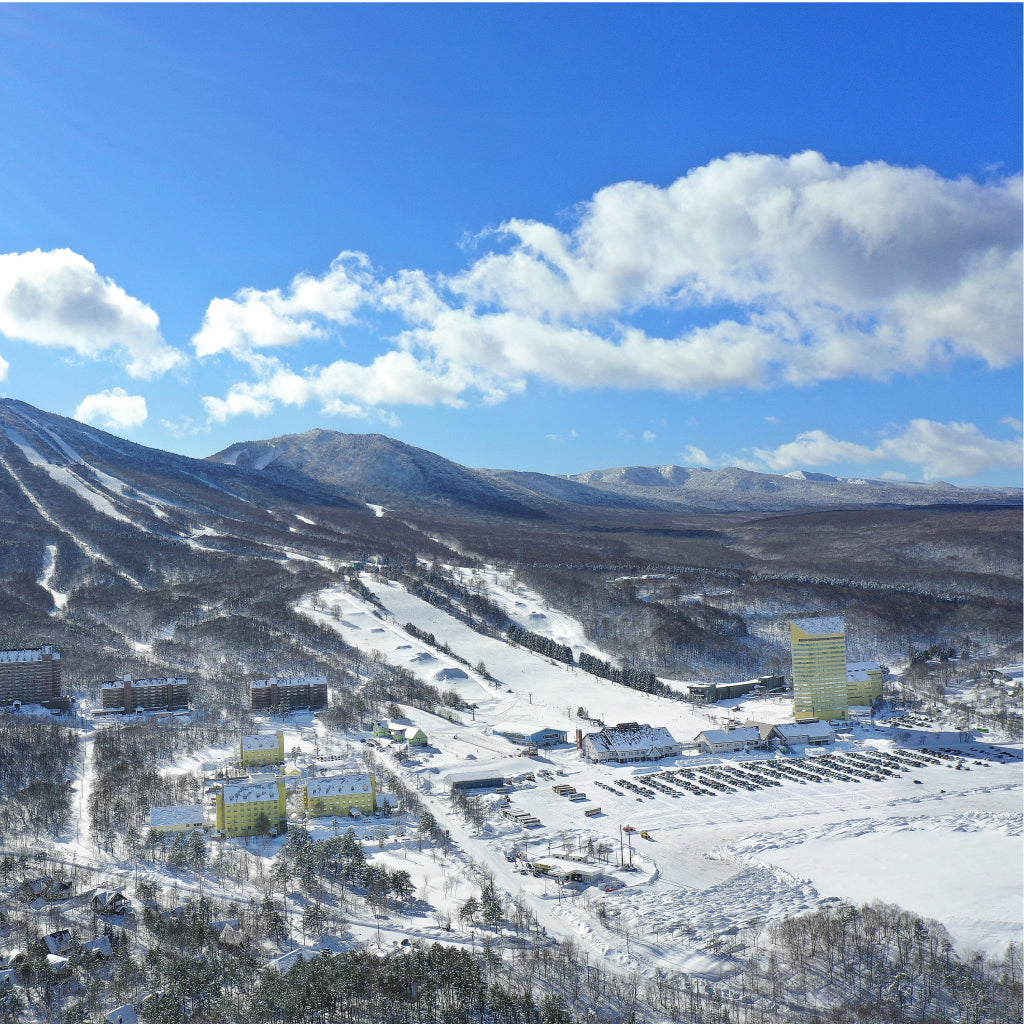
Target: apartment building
337,795
262,749
304,693
251,808
129,694
818,649
31,676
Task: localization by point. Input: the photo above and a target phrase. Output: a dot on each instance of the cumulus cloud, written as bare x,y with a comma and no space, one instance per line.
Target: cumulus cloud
345,387
768,270
937,449
253,319
114,408
57,299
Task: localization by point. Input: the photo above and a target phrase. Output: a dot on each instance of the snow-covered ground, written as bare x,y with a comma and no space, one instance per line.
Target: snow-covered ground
939,841
947,845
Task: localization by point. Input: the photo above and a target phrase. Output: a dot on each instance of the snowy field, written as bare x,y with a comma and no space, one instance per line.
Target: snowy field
940,842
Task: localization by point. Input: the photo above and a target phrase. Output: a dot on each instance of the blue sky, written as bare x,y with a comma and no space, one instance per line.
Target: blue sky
541,237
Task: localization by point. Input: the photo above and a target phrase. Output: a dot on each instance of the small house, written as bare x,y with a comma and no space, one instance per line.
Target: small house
59,942
99,949
110,901
415,736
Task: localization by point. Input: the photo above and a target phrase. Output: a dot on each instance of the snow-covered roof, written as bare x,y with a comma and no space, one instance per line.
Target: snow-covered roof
287,961
795,729
56,942
747,734
166,817
34,655
261,742
123,1015
819,626
297,681
250,792
862,666
856,675
630,736
339,785
119,683
506,768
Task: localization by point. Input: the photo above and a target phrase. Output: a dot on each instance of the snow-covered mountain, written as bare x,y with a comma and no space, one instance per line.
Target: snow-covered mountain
734,489
380,470
384,471
78,504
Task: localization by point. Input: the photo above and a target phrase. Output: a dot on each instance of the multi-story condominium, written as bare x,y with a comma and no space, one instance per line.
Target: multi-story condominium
337,795
818,648
129,694
252,808
31,677
302,693
264,749
863,682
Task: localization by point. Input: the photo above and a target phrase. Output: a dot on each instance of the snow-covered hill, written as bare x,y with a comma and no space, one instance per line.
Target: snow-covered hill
382,470
734,489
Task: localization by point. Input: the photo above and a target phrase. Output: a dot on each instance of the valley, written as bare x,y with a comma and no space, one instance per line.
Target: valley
700,885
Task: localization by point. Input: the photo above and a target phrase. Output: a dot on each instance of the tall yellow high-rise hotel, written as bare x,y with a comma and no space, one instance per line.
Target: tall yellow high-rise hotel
818,647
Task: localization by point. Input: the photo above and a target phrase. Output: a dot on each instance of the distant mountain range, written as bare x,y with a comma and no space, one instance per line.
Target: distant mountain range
96,499
383,471
156,562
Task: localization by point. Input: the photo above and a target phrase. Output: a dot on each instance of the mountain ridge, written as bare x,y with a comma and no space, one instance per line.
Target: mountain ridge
382,470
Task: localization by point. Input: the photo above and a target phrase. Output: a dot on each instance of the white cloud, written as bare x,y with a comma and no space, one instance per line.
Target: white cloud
649,435
937,449
57,299
273,319
346,388
866,270
691,455
775,270
113,408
